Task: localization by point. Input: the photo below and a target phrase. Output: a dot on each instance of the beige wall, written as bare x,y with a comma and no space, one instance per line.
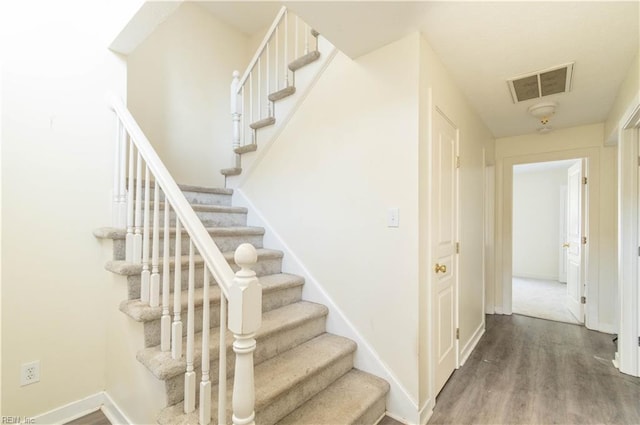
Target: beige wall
475,140
568,143
57,135
537,222
628,92
178,91
347,155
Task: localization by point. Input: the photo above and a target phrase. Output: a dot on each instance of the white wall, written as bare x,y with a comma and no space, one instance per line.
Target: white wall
178,91
536,222
628,93
576,142
348,154
476,143
57,136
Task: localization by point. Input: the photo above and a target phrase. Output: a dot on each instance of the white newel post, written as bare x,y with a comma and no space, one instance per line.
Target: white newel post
245,318
235,109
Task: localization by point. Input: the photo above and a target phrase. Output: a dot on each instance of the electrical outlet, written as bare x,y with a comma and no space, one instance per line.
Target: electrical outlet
393,217
30,373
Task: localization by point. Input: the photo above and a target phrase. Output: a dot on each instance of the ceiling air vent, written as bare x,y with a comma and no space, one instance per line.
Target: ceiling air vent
541,83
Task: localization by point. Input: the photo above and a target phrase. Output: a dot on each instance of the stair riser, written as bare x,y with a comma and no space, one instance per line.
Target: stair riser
200,198
213,218
265,349
296,396
224,243
263,267
374,412
270,301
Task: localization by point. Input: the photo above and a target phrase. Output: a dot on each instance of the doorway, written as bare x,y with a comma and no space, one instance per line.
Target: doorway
547,266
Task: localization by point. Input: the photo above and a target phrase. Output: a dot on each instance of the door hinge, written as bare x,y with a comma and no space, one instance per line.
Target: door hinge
583,300
457,161
457,333
457,247
584,240
639,341
584,180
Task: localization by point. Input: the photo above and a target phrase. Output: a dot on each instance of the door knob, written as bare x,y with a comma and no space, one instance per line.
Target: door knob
565,245
441,268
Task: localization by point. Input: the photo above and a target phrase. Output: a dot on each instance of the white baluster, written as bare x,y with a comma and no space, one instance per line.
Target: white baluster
251,97
165,321
176,328
115,213
137,238
268,81
235,113
146,274
297,30
154,289
286,48
306,38
205,383
243,136
277,67
130,193
245,318
190,375
122,220
222,363
259,89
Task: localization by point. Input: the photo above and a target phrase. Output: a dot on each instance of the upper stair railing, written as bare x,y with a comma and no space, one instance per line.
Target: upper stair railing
137,164
289,44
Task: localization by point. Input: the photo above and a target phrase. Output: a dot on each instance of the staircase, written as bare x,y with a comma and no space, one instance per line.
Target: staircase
303,375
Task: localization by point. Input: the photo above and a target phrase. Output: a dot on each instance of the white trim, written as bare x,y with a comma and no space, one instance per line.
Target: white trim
113,412
83,407
397,418
399,401
472,343
608,328
504,221
426,412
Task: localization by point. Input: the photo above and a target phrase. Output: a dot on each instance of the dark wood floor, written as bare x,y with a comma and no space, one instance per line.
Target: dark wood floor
534,371
95,418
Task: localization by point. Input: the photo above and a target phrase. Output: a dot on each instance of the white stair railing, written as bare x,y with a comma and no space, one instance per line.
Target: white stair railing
241,290
267,75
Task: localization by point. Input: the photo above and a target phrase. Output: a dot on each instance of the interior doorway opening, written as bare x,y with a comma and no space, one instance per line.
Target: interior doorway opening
548,273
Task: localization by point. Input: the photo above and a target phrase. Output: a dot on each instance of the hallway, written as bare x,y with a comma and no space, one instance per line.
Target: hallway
528,370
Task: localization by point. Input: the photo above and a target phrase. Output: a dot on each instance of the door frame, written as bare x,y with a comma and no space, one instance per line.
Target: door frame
628,356
504,225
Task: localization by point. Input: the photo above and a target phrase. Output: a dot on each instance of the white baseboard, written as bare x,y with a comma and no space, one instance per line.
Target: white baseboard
471,344
400,405
426,412
536,276
83,407
608,328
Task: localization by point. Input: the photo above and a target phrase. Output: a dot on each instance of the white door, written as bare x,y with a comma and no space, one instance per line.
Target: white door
562,260
575,234
444,233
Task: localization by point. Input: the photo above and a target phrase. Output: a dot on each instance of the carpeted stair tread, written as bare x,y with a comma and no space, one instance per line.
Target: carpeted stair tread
235,171
163,366
209,208
127,268
263,123
282,93
117,233
355,398
142,312
286,380
191,188
251,147
304,60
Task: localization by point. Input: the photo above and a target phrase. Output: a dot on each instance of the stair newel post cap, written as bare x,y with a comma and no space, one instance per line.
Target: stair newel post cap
245,295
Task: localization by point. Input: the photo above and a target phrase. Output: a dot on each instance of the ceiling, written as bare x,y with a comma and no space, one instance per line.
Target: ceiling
543,166
483,44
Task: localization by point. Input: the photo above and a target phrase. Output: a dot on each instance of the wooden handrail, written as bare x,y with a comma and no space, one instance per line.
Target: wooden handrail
207,248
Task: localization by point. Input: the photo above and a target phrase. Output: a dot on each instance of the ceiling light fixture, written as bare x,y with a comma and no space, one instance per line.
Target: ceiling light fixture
543,111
